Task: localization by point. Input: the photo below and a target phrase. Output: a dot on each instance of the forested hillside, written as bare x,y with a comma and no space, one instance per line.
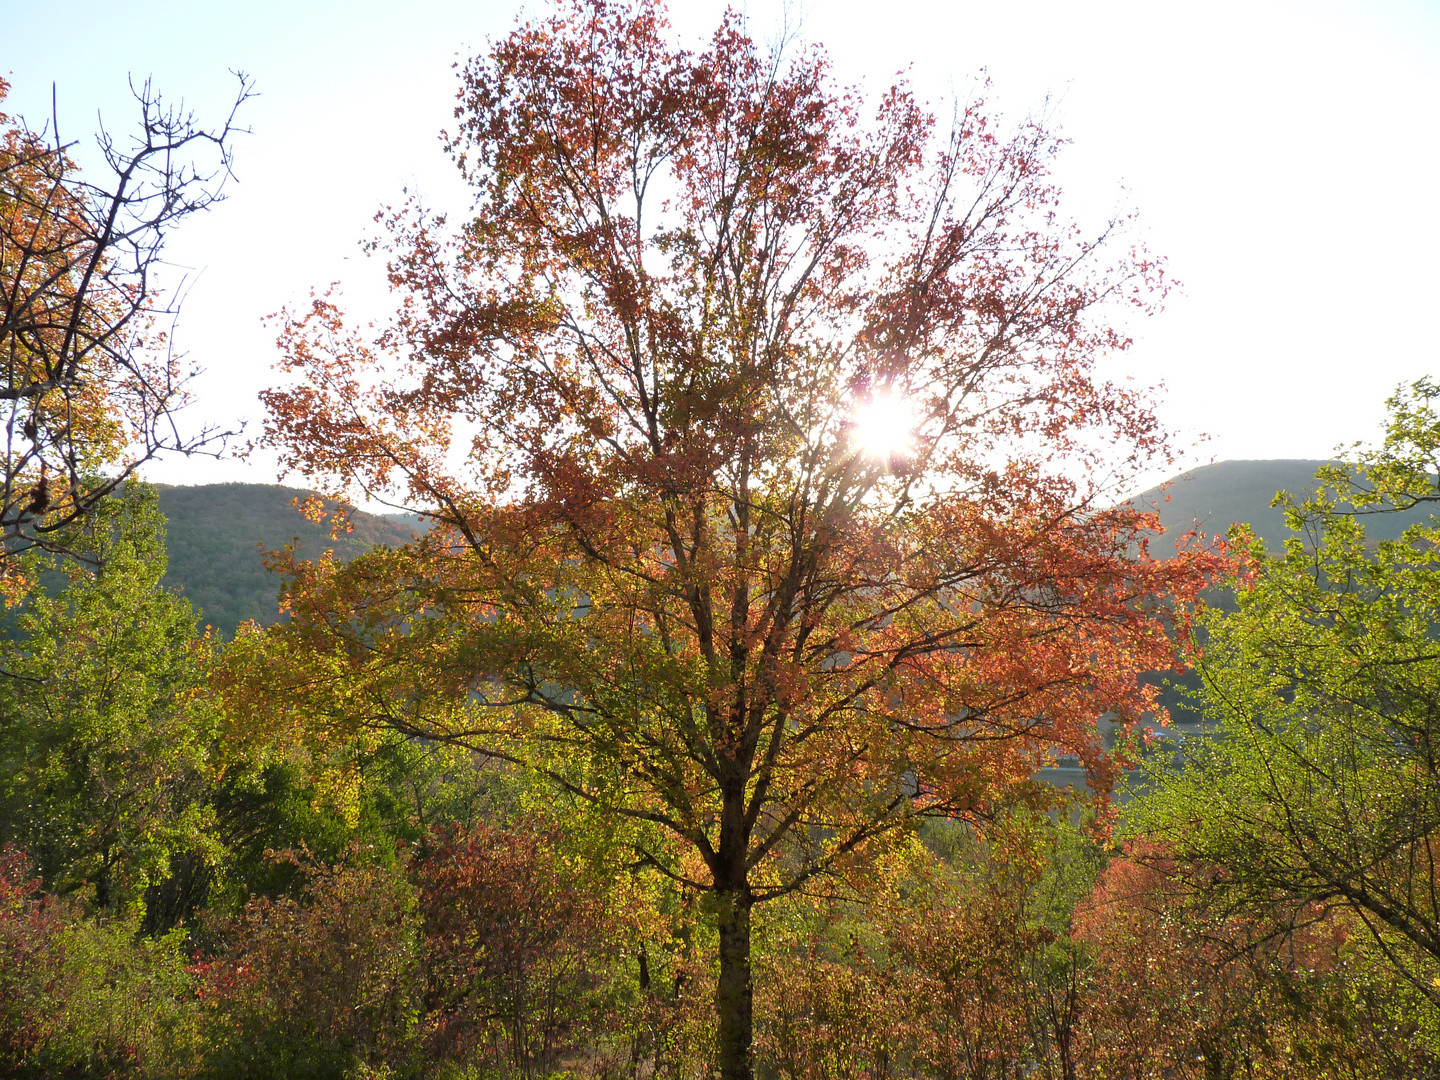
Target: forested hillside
217,534
1214,497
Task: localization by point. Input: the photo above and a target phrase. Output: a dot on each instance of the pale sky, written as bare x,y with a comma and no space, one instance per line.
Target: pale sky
1283,156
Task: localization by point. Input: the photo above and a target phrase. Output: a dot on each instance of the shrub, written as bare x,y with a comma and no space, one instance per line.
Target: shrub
1184,989
30,923
324,987
517,949
87,997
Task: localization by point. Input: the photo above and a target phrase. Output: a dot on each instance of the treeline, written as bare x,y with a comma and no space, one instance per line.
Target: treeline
178,900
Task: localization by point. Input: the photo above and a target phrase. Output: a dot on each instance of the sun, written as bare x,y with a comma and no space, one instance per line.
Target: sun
885,426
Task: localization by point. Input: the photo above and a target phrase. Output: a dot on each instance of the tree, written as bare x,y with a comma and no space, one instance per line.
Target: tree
89,384
1320,789
104,741
761,443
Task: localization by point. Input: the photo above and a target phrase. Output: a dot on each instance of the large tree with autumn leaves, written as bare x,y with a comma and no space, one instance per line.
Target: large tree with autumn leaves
761,434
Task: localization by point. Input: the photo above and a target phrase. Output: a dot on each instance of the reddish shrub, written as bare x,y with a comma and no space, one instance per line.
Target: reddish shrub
85,996
30,958
321,987
517,947
1181,991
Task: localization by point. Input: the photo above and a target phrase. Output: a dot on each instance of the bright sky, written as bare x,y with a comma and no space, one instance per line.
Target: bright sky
1282,155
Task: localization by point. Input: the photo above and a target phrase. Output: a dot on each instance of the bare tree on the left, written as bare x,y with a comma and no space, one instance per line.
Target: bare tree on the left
90,382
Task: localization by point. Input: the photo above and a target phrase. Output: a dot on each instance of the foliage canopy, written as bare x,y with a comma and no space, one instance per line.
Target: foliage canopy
1321,786
666,571
106,736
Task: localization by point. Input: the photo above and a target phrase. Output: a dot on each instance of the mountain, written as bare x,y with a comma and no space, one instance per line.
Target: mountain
217,533
1214,497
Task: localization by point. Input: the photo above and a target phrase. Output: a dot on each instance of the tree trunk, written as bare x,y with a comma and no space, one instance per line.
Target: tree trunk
734,991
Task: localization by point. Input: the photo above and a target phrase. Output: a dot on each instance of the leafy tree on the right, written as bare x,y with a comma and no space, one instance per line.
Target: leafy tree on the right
1317,795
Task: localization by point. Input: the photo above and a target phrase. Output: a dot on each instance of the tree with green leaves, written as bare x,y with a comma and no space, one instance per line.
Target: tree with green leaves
104,734
1319,792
